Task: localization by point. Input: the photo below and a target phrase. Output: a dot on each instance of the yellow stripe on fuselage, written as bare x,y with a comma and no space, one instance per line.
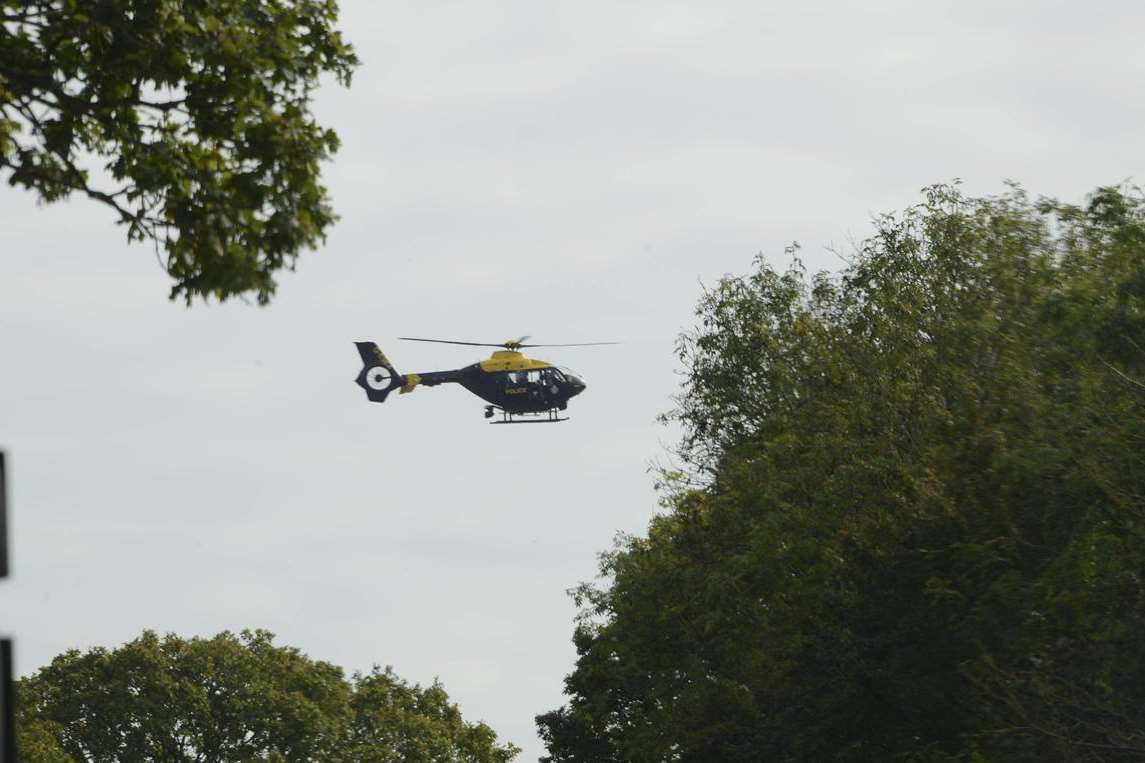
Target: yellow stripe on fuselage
508,360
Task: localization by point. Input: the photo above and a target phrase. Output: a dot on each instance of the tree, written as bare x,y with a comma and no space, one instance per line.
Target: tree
191,120
394,722
909,524
236,698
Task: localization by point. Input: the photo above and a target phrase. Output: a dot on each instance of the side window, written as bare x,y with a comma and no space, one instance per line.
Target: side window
516,377
534,377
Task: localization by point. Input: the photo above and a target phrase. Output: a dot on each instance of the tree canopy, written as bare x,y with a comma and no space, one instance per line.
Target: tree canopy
191,120
910,522
236,698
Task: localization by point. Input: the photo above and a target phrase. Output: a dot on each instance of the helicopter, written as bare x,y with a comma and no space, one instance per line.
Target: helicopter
524,390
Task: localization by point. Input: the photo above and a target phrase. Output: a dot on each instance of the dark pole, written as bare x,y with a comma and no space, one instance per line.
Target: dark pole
3,521
7,705
7,689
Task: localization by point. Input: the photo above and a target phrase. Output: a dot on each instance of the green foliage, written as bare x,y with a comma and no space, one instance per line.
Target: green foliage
393,722
197,114
236,698
916,526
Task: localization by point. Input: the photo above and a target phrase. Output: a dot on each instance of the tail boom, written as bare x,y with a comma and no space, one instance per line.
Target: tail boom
379,378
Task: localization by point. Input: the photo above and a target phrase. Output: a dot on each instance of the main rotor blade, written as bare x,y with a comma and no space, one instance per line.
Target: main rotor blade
576,344
452,341
516,344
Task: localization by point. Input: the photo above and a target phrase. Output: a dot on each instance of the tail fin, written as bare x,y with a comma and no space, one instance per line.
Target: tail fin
378,376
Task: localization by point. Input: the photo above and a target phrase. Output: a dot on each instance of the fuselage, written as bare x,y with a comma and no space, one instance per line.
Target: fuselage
512,382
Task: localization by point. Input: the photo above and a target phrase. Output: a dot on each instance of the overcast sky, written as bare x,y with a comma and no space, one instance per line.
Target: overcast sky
571,171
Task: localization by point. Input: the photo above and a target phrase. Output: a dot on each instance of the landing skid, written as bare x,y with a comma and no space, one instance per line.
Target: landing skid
550,416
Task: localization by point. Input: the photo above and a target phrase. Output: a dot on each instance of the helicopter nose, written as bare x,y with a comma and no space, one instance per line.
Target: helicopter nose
577,384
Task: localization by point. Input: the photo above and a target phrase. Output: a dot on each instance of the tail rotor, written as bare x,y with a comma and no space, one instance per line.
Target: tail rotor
378,376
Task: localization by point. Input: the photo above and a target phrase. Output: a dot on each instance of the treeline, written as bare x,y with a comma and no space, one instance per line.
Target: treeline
236,698
910,518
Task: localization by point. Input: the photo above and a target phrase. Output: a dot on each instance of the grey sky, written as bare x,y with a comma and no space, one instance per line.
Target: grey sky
568,171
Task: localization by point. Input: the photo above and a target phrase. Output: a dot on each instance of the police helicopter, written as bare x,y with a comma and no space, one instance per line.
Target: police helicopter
522,389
